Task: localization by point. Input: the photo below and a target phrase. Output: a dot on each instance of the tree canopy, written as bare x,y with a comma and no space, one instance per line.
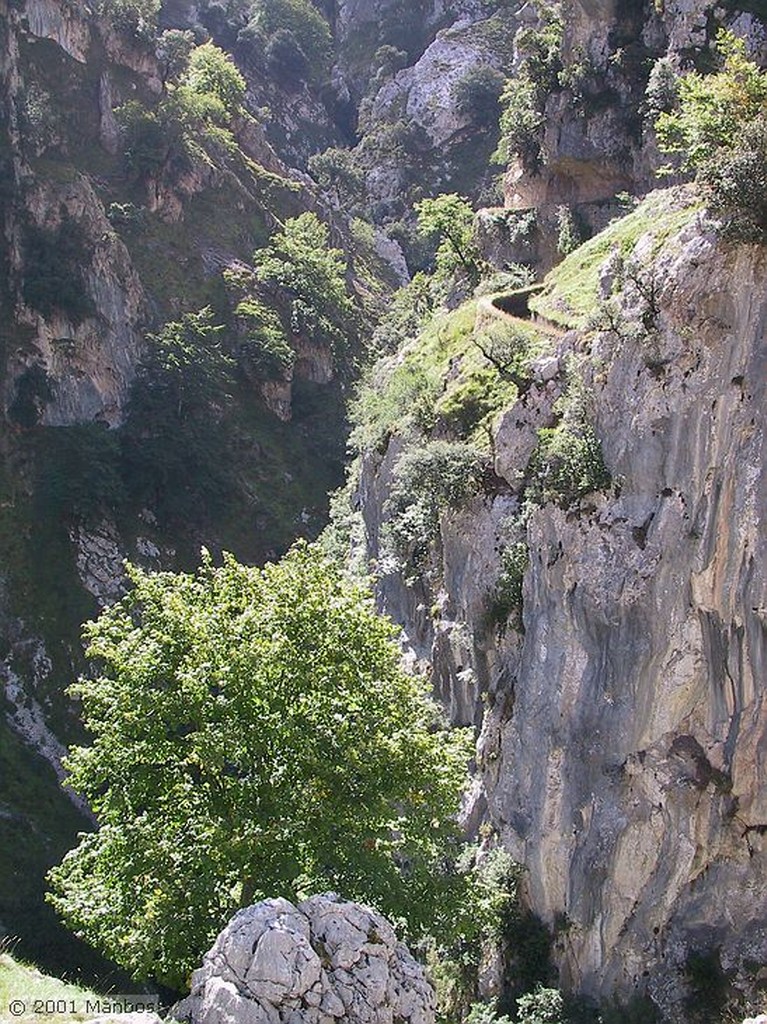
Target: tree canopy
306,276
212,72
175,447
298,20
714,109
450,218
253,735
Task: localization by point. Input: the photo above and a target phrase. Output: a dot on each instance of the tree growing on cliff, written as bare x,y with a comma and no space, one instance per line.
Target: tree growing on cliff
139,15
720,129
253,735
299,27
450,219
175,450
307,278
212,72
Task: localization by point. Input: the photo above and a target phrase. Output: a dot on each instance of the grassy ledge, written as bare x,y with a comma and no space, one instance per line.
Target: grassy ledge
570,291
31,997
22,988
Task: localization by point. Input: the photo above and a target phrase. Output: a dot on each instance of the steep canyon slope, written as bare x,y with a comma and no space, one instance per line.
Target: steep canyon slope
103,243
124,210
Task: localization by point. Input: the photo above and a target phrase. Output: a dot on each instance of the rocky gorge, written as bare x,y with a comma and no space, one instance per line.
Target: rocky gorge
607,644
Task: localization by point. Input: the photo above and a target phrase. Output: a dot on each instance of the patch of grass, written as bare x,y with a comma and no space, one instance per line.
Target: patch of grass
440,376
22,984
402,390
570,292
42,997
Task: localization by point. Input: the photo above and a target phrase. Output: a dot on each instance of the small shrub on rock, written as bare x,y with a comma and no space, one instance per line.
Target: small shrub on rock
427,480
506,598
566,465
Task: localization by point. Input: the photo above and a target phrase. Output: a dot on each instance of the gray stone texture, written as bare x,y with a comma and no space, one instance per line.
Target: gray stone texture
324,961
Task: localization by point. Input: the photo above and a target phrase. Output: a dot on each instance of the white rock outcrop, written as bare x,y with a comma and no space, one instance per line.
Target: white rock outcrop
325,960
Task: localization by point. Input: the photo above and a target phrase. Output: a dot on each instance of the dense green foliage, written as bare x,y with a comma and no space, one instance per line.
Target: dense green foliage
477,96
427,480
253,735
212,72
140,15
501,926
719,128
173,49
79,472
204,91
524,97
54,263
338,173
714,109
542,1006
566,465
34,389
294,37
450,219
174,447
735,184
506,596
265,346
186,362
306,277
662,92
455,966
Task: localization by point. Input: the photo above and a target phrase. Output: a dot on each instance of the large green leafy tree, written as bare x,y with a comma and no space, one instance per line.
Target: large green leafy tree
450,219
253,735
212,72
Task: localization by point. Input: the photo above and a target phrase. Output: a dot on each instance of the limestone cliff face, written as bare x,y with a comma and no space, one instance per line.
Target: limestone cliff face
623,731
627,772
88,358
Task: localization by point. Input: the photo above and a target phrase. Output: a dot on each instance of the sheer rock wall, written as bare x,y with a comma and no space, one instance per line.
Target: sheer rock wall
623,733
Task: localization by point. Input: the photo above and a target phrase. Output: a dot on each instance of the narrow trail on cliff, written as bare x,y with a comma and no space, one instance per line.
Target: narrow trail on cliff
510,307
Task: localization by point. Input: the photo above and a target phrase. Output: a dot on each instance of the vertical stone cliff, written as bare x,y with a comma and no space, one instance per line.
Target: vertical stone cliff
622,729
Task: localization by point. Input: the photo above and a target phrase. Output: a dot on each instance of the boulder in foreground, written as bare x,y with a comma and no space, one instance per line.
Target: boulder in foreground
324,961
